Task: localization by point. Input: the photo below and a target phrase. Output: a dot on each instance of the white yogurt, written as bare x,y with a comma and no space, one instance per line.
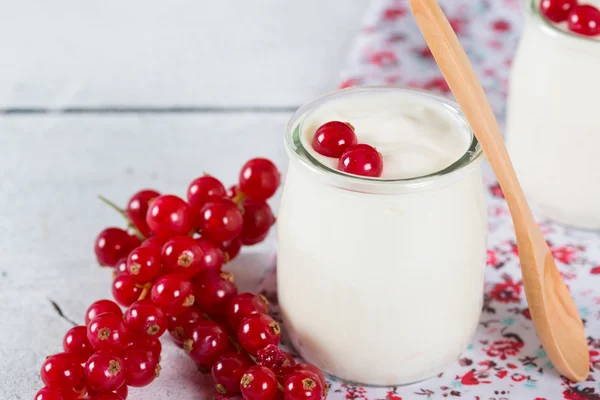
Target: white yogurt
381,281
553,121
416,136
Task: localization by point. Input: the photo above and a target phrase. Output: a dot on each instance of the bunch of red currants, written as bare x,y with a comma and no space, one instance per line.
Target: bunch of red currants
169,276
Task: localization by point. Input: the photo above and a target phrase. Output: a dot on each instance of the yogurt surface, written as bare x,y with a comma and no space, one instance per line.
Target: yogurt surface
415,135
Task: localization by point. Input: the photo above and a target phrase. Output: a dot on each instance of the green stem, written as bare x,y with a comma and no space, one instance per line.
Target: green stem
130,224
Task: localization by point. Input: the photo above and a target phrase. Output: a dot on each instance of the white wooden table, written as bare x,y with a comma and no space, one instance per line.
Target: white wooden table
116,96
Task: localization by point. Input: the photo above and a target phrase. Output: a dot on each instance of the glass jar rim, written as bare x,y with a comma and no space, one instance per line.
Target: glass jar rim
468,159
533,11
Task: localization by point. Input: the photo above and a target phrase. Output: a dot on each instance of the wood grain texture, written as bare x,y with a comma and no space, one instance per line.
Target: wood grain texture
51,170
180,52
553,310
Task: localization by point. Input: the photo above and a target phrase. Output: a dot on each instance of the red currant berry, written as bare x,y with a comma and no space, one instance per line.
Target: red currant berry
585,20
180,324
303,385
122,392
126,290
256,331
276,360
107,332
314,369
145,319
102,307
244,305
104,372
182,255
214,258
214,290
206,342
557,10
258,219
155,241
112,244
228,371
77,344
202,189
169,216
361,159
333,138
121,266
141,366
137,208
259,383
47,393
150,344
233,191
143,264
259,179
106,396
173,294
220,220
231,248
62,371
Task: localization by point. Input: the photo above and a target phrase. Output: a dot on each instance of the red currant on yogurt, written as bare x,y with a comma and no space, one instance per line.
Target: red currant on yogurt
182,255
258,219
143,264
145,319
557,10
303,385
168,216
206,342
220,220
258,331
173,294
228,371
585,20
107,332
77,344
333,138
102,307
137,208
363,160
259,383
259,179
112,244
62,372
104,372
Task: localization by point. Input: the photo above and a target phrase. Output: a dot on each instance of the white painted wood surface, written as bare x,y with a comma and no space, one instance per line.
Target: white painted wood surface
53,167
177,52
67,53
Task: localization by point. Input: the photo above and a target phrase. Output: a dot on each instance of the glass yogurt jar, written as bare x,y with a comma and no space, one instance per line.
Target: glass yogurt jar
553,121
380,280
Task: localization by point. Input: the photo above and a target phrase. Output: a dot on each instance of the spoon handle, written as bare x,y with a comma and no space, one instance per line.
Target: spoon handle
467,90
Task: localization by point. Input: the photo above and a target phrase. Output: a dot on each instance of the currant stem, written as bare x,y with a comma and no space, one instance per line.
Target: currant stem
239,197
145,291
83,392
130,224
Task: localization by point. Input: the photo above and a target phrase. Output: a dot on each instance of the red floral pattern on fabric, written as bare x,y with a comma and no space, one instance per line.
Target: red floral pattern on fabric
504,360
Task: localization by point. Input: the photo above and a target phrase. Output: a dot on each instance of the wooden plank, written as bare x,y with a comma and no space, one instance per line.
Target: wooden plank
52,169
181,52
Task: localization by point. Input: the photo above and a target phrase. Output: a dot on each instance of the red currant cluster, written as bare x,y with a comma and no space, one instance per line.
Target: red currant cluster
169,276
337,140
583,19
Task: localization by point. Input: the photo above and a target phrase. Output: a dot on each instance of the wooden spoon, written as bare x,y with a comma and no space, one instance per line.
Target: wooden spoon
553,311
